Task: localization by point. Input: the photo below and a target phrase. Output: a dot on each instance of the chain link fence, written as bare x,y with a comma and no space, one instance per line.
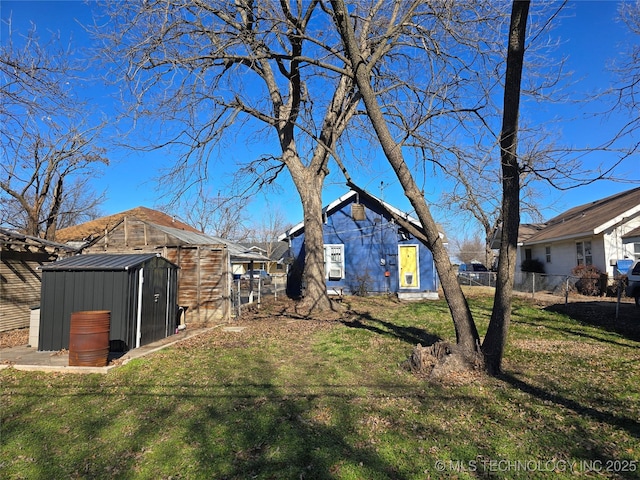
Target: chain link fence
558,285
242,295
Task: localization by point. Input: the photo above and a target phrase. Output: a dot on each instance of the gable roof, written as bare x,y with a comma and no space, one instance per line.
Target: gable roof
277,249
589,219
632,237
345,199
97,227
525,232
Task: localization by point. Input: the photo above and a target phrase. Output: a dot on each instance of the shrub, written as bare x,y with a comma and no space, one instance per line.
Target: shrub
362,284
532,265
588,279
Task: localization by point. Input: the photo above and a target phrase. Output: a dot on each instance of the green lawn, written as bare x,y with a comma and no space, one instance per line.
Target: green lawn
298,399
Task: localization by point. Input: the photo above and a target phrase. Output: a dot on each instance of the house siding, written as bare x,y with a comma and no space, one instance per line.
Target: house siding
371,248
602,222
19,287
606,248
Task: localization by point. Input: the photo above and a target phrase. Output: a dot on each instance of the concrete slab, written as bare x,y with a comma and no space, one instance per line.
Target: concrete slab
29,359
233,329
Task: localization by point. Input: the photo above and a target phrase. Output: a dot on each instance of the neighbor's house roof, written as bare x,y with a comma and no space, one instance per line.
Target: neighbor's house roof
525,232
11,240
632,237
277,249
346,198
589,219
89,230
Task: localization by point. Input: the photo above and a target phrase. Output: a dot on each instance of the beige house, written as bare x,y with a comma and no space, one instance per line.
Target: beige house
598,233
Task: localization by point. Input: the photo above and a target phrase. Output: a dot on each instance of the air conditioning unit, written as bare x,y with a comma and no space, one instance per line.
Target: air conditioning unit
335,273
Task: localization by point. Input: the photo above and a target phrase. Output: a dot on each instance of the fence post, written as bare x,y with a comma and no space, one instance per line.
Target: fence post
238,299
533,285
566,292
619,297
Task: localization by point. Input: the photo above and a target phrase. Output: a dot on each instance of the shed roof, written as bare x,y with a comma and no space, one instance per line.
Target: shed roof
101,261
89,230
236,250
590,218
193,238
12,240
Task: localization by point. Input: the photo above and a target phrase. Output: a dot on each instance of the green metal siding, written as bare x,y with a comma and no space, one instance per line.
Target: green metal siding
65,292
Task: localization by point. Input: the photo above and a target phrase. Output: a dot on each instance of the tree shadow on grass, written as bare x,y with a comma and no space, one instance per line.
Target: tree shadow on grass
603,315
177,428
410,335
631,425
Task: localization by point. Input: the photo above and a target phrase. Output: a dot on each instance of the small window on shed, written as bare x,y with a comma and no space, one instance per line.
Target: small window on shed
357,211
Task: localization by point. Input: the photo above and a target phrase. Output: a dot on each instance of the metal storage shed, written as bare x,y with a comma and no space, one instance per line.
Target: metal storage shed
140,291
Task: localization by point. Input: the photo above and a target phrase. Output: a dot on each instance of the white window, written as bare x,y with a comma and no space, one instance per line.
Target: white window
583,253
547,253
334,262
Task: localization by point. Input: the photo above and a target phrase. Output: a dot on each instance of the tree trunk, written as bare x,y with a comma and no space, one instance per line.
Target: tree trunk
309,183
466,333
315,294
54,212
496,338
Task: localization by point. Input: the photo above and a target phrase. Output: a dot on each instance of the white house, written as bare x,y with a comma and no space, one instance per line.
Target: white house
598,233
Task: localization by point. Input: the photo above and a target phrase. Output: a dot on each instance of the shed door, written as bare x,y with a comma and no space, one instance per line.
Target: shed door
409,272
155,314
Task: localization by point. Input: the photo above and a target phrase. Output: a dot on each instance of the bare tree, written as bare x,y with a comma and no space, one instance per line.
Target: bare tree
207,70
496,338
49,152
45,182
627,71
471,249
267,230
473,195
222,216
363,63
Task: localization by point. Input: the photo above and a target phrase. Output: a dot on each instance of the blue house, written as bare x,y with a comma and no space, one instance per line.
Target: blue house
366,251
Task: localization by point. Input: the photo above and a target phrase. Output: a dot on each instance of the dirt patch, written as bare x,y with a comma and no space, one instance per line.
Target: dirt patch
573,348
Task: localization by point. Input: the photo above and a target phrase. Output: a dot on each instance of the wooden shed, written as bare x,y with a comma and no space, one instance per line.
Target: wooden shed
20,257
140,291
204,278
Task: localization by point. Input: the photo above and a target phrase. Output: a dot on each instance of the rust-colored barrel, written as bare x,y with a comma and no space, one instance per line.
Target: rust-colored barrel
89,338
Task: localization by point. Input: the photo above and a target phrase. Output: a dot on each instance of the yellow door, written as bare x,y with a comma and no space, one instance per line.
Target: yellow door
409,266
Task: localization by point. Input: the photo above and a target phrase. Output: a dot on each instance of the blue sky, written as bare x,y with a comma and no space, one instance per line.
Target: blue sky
590,37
